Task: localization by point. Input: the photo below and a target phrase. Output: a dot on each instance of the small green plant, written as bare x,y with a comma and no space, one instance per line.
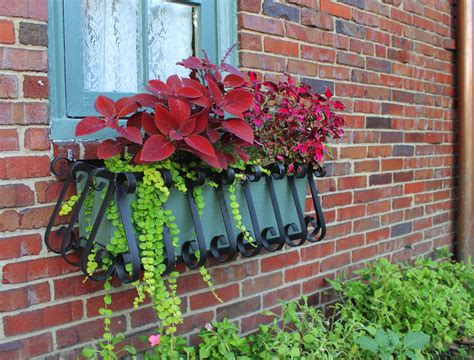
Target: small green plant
388,345
221,340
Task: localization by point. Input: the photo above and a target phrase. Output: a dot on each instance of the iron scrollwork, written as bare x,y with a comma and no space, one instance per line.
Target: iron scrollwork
194,252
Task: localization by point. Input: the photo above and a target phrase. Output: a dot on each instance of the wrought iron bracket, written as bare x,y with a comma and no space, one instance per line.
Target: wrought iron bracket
194,252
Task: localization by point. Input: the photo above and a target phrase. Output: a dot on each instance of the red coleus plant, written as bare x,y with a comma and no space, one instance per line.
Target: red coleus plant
201,115
292,124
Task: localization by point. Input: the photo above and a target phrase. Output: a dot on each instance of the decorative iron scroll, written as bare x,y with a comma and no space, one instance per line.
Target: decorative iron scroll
223,248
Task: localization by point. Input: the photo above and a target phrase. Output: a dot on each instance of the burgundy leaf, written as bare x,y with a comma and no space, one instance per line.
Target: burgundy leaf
164,120
109,148
230,69
186,127
214,90
202,119
212,134
328,94
237,101
148,124
189,92
215,162
192,62
131,133
158,87
233,80
201,144
174,83
180,109
126,106
157,148
135,120
105,106
89,125
239,128
243,155
147,100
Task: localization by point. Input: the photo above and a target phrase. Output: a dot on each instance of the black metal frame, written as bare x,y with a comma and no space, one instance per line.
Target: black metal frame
223,248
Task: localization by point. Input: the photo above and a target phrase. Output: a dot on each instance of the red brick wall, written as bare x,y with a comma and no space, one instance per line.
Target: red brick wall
389,192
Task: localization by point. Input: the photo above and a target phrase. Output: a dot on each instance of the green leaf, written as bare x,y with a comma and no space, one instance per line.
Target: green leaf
416,340
88,352
204,352
381,338
367,343
131,350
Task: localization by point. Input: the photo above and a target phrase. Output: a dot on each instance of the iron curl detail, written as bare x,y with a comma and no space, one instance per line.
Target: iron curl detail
106,187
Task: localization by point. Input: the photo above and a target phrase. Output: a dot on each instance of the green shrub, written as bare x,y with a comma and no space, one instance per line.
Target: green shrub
435,298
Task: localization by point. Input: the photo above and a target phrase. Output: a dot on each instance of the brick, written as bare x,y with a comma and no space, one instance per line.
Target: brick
373,122
195,321
351,212
357,3
37,139
31,9
260,24
33,34
352,182
8,140
8,86
23,113
87,331
21,298
311,17
392,164
349,242
414,187
23,59
336,9
392,109
263,62
335,261
285,294
401,229
21,245
75,286
316,251
380,179
207,299
120,301
280,261
319,86
282,47
29,270
7,33
30,321
250,41
261,283
403,150
379,65
334,72
21,167
278,10
238,309
308,3
350,59
350,29
353,152
9,221
35,87
364,253
317,54
27,348
302,67
300,272
15,195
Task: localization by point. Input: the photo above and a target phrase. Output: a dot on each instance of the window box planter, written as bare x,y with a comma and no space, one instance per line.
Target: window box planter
271,207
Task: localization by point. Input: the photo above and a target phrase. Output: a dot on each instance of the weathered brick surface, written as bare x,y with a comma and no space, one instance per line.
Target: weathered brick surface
389,192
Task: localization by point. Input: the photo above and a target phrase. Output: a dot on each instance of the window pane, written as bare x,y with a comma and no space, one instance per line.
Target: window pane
170,38
112,45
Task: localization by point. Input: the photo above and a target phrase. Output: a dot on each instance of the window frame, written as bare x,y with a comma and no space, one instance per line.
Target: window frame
69,102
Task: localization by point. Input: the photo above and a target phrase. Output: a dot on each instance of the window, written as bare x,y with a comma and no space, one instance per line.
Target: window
113,47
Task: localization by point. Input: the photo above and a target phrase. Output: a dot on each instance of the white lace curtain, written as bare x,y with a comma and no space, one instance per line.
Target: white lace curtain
115,41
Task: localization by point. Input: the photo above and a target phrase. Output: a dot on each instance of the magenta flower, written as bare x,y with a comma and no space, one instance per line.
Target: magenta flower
154,339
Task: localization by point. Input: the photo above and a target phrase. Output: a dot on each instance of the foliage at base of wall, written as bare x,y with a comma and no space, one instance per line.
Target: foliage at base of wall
422,310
